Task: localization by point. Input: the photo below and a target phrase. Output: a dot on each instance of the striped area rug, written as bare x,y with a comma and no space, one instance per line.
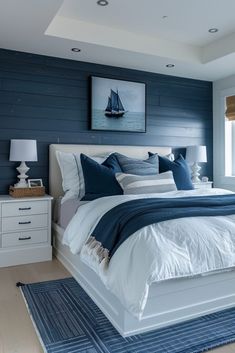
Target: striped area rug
68,321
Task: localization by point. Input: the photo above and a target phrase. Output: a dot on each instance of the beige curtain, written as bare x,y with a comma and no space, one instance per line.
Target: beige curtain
230,108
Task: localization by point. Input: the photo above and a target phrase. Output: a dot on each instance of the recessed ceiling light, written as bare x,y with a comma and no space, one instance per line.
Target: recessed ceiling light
170,65
76,50
102,2
213,30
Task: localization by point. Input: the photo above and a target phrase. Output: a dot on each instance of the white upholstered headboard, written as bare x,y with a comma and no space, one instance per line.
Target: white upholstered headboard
55,179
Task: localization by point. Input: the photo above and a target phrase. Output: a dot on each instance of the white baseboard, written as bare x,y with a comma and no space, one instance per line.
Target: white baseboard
21,256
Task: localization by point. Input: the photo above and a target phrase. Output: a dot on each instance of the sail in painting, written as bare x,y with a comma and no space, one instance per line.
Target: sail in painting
114,107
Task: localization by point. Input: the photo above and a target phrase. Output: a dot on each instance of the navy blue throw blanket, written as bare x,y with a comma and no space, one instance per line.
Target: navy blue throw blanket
125,219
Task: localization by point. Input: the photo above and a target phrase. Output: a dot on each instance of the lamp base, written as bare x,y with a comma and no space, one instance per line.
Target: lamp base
22,169
195,173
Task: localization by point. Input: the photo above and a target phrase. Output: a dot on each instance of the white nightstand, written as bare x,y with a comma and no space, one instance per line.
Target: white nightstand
25,230
203,185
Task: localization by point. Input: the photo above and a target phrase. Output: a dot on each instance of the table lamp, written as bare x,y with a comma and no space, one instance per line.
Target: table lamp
194,155
23,151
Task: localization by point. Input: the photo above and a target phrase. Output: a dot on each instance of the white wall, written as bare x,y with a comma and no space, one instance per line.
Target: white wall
221,89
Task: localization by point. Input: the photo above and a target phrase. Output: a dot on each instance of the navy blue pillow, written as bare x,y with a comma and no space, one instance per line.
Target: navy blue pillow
180,170
99,180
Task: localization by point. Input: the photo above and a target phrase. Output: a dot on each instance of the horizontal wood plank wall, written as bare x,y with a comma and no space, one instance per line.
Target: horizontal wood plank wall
47,99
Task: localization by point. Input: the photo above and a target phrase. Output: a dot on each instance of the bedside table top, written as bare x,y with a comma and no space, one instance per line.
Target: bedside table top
8,198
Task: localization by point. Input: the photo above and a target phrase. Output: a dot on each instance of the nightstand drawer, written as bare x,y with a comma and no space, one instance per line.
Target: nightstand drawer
24,208
24,222
24,238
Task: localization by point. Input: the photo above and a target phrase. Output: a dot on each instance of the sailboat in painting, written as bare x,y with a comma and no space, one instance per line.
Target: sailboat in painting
114,107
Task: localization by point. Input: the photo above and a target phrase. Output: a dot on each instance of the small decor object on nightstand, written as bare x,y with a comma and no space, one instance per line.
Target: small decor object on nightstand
194,155
205,179
23,151
27,192
33,183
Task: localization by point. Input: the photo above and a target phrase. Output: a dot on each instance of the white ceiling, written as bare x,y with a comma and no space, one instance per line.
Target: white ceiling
188,21
127,33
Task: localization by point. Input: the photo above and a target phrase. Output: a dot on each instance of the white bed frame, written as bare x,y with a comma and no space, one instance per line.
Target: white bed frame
168,302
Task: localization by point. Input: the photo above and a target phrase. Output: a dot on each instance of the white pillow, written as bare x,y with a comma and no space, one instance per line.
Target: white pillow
146,184
72,175
69,171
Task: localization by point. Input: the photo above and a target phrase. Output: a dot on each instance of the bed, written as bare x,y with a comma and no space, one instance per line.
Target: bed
169,301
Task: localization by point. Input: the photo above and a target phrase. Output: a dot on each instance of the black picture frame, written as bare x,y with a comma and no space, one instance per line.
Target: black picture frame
129,93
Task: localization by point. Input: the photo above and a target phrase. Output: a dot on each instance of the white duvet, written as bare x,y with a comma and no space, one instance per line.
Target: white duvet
170,249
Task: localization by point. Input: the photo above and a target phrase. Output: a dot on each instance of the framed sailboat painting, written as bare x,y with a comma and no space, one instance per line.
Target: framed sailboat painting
117,105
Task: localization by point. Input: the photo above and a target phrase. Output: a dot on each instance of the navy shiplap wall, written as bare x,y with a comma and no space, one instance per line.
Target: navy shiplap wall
47,99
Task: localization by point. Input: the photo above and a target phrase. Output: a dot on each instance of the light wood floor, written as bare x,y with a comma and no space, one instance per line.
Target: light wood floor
17,334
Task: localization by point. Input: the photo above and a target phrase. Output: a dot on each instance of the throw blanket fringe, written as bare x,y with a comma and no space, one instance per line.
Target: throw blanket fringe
95,255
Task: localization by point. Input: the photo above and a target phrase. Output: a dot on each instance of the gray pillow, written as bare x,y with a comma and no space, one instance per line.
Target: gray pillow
146,184
137,166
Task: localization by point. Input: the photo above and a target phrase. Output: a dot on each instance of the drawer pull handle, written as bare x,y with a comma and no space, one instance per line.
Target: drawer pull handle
24,208
26,238
28,222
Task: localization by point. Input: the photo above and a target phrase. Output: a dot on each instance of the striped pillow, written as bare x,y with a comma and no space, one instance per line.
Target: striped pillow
137,166
146,184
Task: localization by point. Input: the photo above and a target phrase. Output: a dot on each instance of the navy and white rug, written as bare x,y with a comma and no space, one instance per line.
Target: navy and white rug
68,321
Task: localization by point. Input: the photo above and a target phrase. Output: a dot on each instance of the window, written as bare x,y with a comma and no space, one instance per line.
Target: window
228,148
230,136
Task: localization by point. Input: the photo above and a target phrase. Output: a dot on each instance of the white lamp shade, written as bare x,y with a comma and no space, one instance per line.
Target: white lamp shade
23,150
196,154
